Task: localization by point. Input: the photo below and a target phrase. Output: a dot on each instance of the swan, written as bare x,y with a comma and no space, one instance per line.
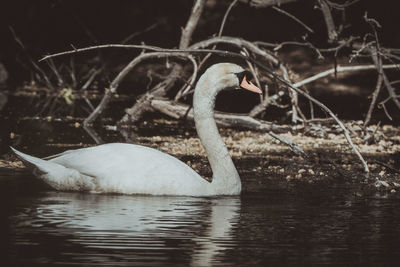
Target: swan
134,169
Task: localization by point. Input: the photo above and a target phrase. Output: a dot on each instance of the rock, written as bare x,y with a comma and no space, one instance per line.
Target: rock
380,183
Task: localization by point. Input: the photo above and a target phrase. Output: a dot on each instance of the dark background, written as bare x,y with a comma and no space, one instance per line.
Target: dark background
50,26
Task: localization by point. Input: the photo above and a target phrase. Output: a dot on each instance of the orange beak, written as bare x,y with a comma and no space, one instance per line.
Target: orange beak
250,86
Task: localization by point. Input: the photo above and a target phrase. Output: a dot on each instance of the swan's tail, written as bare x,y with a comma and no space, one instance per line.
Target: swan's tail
57,176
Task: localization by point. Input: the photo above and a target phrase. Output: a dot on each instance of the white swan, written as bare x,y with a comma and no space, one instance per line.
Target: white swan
135,169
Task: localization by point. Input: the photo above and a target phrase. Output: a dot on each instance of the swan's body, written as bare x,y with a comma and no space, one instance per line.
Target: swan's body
135,169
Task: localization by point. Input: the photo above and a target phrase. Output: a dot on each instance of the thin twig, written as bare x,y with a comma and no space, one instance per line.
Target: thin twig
192,79
375,52
35,66
55,71
135,34
293,18
382,105
374,98
221,28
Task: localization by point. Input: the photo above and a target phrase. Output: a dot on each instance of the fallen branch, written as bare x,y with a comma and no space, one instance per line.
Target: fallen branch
298,150
179,111
266,3
115,83
342,69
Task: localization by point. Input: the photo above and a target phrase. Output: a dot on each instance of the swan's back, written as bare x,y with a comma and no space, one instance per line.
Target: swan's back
134,169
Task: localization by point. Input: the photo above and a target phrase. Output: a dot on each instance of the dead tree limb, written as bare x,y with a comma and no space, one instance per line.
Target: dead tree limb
298,150
191,24
330,24
178,111
266,3
342,69
135,112
186,89
115,83
386,81
373,100
195,48
293,18
237,42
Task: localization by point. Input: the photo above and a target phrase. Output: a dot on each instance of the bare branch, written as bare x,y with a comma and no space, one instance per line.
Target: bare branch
192,79
238,42
115,83
293,18
330,24
266,3
177,111
191,24
298,150
221,28
382,105
35,66
374,98
185,89
342,69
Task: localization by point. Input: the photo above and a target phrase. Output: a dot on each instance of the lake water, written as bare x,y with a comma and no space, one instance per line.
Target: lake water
269,224
40,227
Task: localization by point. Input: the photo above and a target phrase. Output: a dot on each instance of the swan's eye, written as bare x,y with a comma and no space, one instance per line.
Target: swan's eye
247,74
249,77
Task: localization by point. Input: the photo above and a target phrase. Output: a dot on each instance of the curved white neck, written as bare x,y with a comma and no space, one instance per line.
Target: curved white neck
226,179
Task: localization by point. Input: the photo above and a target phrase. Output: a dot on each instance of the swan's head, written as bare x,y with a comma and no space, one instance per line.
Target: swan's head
225,76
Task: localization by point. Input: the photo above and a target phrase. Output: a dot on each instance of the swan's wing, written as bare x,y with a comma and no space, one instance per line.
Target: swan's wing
128,168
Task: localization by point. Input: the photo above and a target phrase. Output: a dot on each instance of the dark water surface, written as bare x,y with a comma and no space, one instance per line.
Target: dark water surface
43,227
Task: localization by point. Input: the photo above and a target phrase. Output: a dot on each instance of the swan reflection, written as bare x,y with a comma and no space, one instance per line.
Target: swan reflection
197,228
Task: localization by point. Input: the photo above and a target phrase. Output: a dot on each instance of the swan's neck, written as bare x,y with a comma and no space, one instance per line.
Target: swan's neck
226,179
